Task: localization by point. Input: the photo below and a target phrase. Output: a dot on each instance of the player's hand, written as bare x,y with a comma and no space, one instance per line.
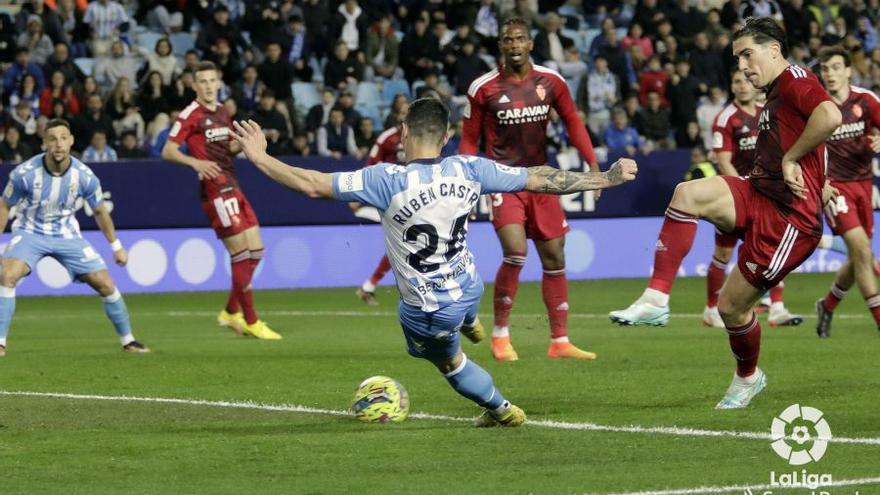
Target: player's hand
875,143
830,203
207,169
623,170
793,176
250,136
120,257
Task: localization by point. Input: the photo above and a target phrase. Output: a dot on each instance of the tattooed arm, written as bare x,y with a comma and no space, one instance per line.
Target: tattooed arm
551,180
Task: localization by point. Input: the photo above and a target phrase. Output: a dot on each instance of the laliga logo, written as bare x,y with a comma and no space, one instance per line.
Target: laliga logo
800,434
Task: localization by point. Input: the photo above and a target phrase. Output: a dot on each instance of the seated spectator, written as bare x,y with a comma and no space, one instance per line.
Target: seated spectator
98,149
365,136
468,66
58,89
235,113
319,113
89,88
246,92
120,99
274,124
21,66
51,22
27,93
92,118
182,93
25,119
550,44
419,51
573,67
382,49
163,16
525,10
636,36
398,111
435,88
343,70
349,25
557,134
620,137
58,110
226,60
39,44
163,61
653,78
131,122
336,139
76,32
276,73
221,27
487,24
301,145
603,91
154,97
298,48
454,48
618,62
106,19
706,65
129,149
108,70
346,104
683,91
708,109
265,22
689,136
61,61
653,124
12,149
714,29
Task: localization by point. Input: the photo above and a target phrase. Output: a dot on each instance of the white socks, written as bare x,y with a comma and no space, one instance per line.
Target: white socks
655,298
499,332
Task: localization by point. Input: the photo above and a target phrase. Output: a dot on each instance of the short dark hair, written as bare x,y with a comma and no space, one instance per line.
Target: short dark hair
763,30
206,65
57,123
517,21
827,52
428,119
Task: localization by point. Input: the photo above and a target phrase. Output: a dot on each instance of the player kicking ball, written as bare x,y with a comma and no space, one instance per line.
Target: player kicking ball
778,208
424,207
45,190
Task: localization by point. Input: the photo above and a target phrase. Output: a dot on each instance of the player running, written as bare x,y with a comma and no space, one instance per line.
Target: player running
734,134
778,208
425,207
849,170
204,127
509,108
44,190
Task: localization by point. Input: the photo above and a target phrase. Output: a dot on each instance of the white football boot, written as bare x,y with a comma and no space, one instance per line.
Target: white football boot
743,390
641,313
782,317
712,318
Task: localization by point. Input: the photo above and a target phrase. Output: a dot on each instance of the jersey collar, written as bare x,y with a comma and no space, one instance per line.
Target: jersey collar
52,174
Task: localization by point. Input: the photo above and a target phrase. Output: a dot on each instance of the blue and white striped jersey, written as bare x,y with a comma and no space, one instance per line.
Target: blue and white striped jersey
425,207
46,204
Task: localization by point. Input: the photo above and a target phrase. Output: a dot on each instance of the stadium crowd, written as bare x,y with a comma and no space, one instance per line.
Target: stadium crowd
325,77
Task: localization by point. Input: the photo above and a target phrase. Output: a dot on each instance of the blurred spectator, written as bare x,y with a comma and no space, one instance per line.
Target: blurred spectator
343,70
89,87
50,20
316,15
382,49
265,22
730,13
866,33
435,88
298,48
25,119
797,21
154,97
235,113
635,36
335,138
220,27
618,62
7,41
276,73
106,20
419,51
365,135
226,60
349,25
682,91
454,48
526,10
349,114
442,32
36,40
670,52
273,123
397,113
191,60
163,16
61,61
59,89
603,90
93,118
714,29
301,145
824,12
12,149
573,68
652,122
468,66
707,112
557,135
26,92
550,44
761,8
129,149
687,20
119,64
246,92
119,99
132,121
21,66
486,24
163,61
706,65
648,15
689,136
76,32
631,107
98,149
620,137
700,167
599,41
58,110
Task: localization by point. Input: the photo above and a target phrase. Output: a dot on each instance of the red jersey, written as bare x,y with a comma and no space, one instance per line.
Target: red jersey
206,133
512,117
388,148
736,131
849,152
791,99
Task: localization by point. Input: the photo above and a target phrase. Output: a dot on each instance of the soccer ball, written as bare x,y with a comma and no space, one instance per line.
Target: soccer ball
380,399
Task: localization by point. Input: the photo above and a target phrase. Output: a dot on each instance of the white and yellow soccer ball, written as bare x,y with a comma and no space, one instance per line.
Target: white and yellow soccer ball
380,399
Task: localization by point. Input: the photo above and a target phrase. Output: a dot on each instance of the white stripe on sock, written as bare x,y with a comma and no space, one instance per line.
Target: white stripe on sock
7,292
126,339
460,367
112,298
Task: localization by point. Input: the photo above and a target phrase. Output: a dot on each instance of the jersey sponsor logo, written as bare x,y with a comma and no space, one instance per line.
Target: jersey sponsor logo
174,129
534,113
217,134
508,170
717,140
764,120
847,131
748,143
540,91
504,99
351,181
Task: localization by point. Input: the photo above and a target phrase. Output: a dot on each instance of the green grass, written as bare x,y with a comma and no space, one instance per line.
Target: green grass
648,377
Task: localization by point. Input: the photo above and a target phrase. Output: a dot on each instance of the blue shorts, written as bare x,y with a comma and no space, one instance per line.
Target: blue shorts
76,255
435,335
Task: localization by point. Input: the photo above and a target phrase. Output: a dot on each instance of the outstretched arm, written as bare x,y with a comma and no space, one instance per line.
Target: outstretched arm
551,180
312,183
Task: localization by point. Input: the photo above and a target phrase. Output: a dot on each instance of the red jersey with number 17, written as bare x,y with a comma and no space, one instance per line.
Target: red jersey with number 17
849,152
736,131
206,133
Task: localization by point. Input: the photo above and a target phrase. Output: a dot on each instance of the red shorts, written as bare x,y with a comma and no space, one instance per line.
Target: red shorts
771,246
230,213
540,214
854,206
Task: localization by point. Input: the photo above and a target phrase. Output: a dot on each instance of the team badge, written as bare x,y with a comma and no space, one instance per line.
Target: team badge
857,111
539,89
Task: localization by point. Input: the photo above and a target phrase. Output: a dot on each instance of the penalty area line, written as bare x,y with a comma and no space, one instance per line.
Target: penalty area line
750,489
558,425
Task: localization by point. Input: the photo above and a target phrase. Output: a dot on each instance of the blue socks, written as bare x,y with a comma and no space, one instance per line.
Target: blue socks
476,384
114,308
7,309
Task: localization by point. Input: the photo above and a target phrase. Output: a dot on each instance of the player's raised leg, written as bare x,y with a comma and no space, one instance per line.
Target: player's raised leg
708,198
513,247
114,308
245,250
13,271
367,291
735,304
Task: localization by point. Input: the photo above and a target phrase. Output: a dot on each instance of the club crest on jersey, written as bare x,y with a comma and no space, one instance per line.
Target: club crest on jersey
541,92
857,111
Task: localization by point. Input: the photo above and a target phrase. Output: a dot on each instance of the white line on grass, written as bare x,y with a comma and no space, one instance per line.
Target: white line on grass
559,425
748,489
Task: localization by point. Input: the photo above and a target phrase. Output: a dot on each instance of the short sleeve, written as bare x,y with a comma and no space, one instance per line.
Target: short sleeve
90,188
180,131
722,137
14,191
371,185
495,177
805,94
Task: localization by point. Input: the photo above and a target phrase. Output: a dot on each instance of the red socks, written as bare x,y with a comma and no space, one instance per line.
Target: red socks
834,296
243,267
745,342
873,303
554,287
381,270
674,243
506,284
714,281
776,292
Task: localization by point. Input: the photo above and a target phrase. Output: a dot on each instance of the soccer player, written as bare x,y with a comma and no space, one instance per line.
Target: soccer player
509,108
425,207
44,191
204,127
388,148
734,134
777,208
849,170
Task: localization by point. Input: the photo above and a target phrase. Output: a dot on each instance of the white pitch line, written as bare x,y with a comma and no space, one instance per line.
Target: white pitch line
749,489
559,425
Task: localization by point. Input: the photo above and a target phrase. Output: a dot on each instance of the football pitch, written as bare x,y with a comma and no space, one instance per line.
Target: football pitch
210,412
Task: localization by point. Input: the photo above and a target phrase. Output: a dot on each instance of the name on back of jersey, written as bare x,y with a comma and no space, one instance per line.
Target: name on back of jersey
427,196
459,267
